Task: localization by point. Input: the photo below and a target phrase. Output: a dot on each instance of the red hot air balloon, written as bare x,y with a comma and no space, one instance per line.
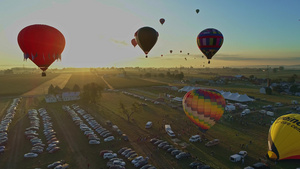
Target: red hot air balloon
146,37
162,21
133,42
42,44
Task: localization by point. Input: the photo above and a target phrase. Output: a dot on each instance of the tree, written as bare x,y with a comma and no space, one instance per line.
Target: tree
281,68
147,75
268,91
275,70
76,88
92,92
135,107
295,88
51,89
161,75
292,79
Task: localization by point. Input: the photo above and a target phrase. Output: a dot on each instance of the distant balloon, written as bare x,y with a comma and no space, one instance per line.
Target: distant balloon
203,107
180,51
162,21
146,37
185,59
171,51
133,42
188,53
42,44
197,10
161,55
209,42
284,136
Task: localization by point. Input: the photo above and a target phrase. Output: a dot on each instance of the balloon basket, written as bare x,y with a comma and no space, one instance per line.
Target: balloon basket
43,74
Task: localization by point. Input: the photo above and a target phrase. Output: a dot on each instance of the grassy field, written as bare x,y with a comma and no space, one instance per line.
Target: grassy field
83,78
121,82
14,85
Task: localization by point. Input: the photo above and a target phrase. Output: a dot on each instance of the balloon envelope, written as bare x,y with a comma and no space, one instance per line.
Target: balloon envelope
203,107
197,10
209,42
162,21
42,44
133,42
284,136
171,51
146,37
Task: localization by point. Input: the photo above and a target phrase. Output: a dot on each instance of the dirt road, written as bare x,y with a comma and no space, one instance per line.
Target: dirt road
59,81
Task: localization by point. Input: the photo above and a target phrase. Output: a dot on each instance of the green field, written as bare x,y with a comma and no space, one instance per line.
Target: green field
14,85
121,82
83,78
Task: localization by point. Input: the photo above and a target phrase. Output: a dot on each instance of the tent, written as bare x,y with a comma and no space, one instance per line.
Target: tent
188,88
179,99
244,98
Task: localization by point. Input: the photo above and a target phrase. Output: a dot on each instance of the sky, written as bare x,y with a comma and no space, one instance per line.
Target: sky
98,33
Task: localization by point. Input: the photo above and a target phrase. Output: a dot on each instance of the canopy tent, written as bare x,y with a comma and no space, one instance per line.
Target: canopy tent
236,97
188,88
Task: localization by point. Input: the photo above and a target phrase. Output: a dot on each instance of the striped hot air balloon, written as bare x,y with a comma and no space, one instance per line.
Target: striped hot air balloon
203,107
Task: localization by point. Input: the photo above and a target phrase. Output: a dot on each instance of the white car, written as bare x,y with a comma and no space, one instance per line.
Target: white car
30,155
109,155
195,138
94,142
110,138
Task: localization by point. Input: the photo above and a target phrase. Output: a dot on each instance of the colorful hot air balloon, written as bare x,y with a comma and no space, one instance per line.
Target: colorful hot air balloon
197,10
133,42
284,136
203,107
209,42
42,44
146,37
162,21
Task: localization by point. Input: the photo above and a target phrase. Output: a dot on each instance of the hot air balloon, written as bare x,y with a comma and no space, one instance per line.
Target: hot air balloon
188,53
171,51
203,107
162,21
133,42
284,136
42,44
161,55
180,51
197,10
209,42
146,38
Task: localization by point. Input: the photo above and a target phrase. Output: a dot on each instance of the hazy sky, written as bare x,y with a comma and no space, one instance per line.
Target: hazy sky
98,32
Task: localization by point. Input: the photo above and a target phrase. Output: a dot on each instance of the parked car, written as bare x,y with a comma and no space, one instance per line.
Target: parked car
54,164
124,137
110,138
137,159
55,149
141,163
62,166
212,143
195,164
94,142
182,155
105,151
109,155
30,155
195,138
122,149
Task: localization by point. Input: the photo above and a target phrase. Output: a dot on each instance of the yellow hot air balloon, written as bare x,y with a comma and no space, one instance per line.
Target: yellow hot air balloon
284,136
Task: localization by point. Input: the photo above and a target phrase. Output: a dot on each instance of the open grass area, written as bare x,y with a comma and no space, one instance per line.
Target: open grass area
121,82
17,84
83,78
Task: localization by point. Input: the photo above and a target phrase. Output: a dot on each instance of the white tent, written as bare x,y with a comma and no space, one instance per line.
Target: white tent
179,99
244,98
188,88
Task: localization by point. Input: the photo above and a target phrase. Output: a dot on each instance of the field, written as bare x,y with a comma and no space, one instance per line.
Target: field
14,85
232,132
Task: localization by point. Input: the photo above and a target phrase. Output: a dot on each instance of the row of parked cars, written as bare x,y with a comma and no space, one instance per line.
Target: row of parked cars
170,149
5,122
138,161
58,165
49,132
87,131
31,133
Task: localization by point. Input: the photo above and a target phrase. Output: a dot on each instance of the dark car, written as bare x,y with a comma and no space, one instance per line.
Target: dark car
53,150
175,152
158,142
153,140
130,153
146,166
167,147
125,137
141,163
169,150
203,167
195,164
122,149
183,155
260,165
